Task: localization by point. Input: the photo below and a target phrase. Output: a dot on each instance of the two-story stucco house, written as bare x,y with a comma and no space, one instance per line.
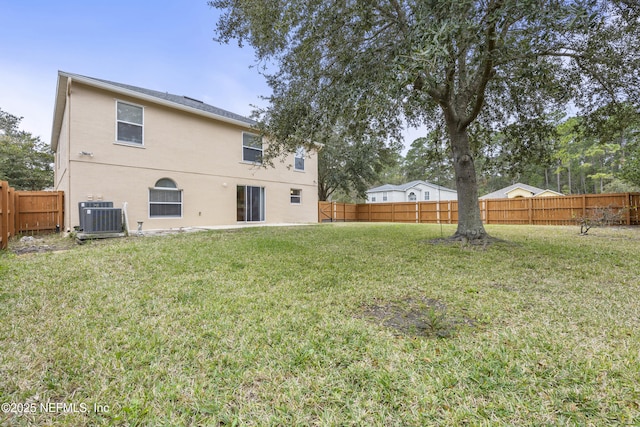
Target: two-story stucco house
414,191
175,161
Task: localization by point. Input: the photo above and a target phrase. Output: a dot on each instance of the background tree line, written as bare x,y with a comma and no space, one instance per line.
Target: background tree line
26,162
598,153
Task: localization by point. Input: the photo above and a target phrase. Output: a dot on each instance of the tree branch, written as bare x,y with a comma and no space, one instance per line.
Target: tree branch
480,84
401,16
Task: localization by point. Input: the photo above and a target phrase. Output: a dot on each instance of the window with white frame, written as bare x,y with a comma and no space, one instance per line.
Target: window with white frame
129,123
373,198
165,200
299,159
426,195
296,196
412,197
384,196
251,148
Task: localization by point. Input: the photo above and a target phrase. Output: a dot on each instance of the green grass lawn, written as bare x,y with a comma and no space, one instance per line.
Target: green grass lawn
335,324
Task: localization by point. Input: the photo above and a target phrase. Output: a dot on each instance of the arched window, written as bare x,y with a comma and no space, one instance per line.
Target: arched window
412,197
165,199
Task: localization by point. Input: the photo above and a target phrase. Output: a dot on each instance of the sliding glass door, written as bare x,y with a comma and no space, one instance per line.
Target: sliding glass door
250,203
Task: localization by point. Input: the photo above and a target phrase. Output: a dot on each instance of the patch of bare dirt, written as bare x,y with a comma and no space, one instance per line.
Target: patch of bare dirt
416,317
41,244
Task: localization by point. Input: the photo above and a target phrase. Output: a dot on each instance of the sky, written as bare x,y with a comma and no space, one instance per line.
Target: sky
164,45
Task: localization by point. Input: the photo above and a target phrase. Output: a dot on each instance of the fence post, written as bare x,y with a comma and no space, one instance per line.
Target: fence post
627,197
13,197
530,206
4,220
483,211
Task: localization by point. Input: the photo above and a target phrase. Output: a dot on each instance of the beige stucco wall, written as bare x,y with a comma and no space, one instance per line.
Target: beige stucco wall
202,155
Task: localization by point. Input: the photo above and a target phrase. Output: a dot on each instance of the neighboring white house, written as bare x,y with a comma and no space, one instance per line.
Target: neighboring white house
414,191
520,190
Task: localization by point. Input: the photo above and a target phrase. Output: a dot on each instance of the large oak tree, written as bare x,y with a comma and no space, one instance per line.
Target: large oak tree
368,67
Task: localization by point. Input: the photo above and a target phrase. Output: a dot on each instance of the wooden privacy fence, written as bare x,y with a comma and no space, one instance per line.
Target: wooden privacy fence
29,212
560,210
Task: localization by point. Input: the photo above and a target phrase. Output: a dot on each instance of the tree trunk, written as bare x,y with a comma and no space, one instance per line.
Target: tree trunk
323,191
469,220
546,177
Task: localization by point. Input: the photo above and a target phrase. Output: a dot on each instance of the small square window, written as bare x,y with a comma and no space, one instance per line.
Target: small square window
296,196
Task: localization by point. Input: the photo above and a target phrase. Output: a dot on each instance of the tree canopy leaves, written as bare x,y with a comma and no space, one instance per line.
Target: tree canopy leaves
25,160
351,166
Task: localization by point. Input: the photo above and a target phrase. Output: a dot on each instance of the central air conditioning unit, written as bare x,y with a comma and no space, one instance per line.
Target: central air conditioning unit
100,219
91,204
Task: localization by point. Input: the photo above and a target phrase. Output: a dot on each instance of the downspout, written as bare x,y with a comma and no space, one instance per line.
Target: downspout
68,196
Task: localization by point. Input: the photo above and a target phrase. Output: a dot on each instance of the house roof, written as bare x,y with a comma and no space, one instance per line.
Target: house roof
503,192
406,186
184,103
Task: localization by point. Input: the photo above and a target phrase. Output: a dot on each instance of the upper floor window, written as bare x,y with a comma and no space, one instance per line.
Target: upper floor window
426,195
299,159
129,122
251,148
165,200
